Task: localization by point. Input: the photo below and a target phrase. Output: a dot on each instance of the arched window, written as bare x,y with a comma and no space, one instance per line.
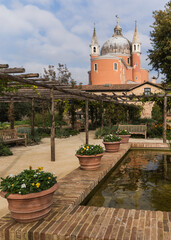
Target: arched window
94,49
138,47
95,67
128,60
134,47
115,66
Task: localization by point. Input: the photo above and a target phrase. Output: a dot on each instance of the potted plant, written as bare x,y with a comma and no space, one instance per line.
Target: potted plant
124,134
29,194
111,142
90,156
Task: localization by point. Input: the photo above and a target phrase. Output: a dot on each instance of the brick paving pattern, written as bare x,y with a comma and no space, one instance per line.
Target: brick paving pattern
69,220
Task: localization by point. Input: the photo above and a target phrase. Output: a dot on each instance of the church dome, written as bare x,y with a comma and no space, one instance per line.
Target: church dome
117,44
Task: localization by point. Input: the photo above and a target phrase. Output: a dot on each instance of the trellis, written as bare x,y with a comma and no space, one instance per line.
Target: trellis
47,91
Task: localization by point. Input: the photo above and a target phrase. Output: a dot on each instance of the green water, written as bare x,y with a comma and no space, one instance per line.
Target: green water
142,181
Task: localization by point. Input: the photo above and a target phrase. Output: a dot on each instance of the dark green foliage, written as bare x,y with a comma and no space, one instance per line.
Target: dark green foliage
160,54
157,113
4,112
4,150
28,181
155,130
66,132
37,136
100,133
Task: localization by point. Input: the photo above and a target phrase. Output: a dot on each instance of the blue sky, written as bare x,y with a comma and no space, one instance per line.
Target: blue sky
38,33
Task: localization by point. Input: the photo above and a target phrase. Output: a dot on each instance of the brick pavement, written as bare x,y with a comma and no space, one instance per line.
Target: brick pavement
69,220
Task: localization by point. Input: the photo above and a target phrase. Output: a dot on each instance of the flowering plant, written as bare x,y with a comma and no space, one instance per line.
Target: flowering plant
111,138
89,150
28,181
123,132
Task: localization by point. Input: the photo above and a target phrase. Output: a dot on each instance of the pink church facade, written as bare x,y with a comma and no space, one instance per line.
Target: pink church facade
119,61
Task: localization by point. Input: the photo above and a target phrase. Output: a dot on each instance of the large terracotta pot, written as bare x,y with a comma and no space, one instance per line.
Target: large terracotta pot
30,207
90,162
112,146
125,138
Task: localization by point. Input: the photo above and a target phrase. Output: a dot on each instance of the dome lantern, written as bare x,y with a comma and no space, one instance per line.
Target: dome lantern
117,29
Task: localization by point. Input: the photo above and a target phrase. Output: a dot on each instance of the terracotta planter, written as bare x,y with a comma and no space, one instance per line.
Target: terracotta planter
30,207
112,146
125,138
90,162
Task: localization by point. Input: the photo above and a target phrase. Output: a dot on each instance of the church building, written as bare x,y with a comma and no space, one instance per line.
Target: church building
118,62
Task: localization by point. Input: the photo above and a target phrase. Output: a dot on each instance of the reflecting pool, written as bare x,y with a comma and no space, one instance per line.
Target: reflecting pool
141,181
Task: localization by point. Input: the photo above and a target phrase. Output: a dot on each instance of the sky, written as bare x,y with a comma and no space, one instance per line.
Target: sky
38,33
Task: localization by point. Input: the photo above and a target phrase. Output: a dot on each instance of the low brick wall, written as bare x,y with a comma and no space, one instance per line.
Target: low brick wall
150,145
69,220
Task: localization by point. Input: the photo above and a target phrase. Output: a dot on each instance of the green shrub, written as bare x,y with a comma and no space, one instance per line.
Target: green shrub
37,136
4,150
22,122
155,130
100,133
67,132
157,113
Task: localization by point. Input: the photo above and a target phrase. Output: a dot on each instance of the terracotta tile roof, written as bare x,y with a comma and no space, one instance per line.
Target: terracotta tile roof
114,87
108,87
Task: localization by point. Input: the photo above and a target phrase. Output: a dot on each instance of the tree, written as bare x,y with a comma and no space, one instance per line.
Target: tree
62,76
160,54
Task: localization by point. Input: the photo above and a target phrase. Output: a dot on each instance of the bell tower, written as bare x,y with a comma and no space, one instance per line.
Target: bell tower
136,51
94,46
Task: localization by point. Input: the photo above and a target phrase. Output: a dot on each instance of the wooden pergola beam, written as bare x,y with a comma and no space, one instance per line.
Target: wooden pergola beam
4,65
12,70
28,75
40,84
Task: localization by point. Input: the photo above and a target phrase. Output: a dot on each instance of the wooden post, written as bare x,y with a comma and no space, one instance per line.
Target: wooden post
32,119
86,120
52,127
43,114
11,114
102,123
164,119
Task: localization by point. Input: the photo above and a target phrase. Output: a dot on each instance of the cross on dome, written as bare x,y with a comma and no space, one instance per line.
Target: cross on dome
117,19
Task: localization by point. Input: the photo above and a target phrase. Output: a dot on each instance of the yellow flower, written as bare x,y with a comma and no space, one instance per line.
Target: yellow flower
37,185
87,146
12,185
84,148
49,177
32,184
40,168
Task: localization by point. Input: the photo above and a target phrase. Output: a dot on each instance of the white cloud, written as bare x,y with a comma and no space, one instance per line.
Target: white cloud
43,32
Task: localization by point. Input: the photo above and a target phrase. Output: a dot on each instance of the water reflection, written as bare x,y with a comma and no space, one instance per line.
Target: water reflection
143,181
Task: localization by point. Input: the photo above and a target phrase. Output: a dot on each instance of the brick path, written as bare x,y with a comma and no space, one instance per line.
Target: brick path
69,220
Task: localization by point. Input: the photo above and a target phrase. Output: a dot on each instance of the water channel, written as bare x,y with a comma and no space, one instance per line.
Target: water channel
141,181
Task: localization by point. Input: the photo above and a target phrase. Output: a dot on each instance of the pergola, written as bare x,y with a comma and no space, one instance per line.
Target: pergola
32,88
42,90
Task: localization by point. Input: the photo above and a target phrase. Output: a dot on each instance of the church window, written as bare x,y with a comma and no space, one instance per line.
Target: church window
147,91
115,66
95,67
94,49
134,47
138,47
128,60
